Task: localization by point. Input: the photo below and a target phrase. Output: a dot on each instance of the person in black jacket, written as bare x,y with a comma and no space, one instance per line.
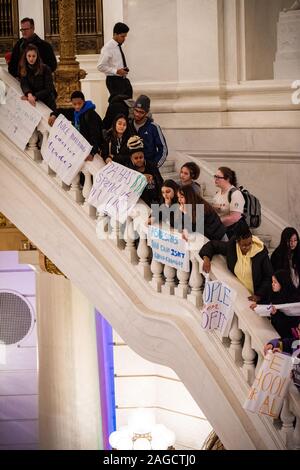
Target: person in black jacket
36,78
137,162
247,258
287,255
118,104
189,200
283,292
115,143
86,120
29,37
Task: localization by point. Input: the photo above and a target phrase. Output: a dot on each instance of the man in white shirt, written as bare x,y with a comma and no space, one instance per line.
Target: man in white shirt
113,64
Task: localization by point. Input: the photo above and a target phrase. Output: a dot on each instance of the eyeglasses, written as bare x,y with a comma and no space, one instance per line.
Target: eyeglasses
24,29
139,111
217,177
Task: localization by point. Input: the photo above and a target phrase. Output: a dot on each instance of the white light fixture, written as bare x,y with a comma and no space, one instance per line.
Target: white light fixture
142,433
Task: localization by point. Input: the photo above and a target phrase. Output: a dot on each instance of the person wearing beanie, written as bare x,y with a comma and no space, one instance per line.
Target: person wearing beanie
112,63
151,193
247,258
155,146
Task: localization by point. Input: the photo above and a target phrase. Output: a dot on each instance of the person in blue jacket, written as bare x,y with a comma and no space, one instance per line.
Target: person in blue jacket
155,146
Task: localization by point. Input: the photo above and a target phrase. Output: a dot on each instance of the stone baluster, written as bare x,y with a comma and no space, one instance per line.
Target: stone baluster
157,279
115,233
260,360
32,148
102,225
169,286
297,434
235,336
143,253
287,419
129,237
75,190
195,283
88,184
249,356
182,289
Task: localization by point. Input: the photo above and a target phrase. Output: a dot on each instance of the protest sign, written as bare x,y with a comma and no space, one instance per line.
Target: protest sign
217,312
18,118
296,372
270,385
116,190
169,248
66,149
291,310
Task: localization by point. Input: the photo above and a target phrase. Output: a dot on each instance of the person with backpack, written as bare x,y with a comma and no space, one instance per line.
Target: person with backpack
229,201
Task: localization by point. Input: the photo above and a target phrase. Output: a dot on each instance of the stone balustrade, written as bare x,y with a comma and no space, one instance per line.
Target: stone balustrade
248,333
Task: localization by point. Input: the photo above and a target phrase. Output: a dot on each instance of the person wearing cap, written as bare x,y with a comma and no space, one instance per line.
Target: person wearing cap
155,146
151,193
112,63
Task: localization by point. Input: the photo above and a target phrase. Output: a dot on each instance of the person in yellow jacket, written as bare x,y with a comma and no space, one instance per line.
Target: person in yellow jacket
247,258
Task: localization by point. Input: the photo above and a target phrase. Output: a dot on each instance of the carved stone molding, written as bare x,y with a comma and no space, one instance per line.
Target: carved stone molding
212,442
46,265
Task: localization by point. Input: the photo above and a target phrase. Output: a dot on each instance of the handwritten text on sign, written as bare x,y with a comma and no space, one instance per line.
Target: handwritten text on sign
66,150
18,119
116,190
270,385
169,248
217,312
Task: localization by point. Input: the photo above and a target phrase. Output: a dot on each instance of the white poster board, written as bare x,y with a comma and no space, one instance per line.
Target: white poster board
291,310
169,248
217,313
66,149
18,118
116,190
270,385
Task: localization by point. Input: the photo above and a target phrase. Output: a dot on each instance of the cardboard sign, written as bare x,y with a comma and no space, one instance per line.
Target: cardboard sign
65,150
116,190
217,312
270,385
169,248
291,310
18,118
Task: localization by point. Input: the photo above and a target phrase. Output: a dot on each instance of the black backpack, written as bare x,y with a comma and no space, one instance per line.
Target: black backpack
252,207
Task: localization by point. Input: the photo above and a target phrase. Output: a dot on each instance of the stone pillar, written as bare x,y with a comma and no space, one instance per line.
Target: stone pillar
69,400
287,61
68,73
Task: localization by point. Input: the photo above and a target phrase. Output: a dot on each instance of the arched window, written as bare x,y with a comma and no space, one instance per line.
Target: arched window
9,25
89,31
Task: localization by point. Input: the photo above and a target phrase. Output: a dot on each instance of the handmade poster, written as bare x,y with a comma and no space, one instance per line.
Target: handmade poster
169,248
217,312
270,385
291,310
18,118
116,190
66,149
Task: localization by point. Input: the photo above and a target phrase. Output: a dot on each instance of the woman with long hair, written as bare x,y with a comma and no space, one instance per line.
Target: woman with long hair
287,255
189,200
229,201
189,173
115,145
36,78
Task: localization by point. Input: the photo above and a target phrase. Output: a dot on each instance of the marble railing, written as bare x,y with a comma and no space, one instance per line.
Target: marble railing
248,333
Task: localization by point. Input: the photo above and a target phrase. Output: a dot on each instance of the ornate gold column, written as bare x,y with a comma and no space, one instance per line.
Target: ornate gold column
68,73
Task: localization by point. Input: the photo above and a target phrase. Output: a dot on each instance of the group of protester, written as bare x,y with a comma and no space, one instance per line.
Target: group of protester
129,136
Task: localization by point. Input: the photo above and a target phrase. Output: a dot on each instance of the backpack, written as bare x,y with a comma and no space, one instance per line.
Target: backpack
252,207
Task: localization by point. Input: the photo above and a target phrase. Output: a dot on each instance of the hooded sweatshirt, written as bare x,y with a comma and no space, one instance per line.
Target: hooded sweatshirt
243,267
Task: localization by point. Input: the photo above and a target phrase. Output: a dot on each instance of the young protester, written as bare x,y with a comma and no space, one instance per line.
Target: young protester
287,255
247,258
36,78
151,193
115,147
189,173
229,201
